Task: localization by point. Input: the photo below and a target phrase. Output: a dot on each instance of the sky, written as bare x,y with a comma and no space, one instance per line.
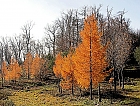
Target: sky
16,13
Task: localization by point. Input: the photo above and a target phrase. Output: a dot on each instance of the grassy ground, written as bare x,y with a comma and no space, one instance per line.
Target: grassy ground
132,92
47,95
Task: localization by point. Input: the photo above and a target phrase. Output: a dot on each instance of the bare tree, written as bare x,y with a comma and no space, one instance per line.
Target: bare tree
117,33
39,48
1,61
65,32
17,47
27,36
51,32
6,50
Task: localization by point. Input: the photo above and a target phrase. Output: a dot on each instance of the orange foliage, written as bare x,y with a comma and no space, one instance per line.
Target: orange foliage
64,68
27,64
90,35
68,69
90,54
14,70
37,65
58,65
11,72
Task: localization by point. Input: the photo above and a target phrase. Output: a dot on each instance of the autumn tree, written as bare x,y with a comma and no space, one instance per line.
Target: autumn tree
14,70
11,71
64,70
68,71
36,66
57,68
27,65
90,56
58,65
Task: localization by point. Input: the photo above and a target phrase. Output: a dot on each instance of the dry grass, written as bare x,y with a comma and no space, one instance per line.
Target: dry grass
48,96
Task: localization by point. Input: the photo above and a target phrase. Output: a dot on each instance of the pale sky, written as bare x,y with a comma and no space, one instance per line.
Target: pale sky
16,13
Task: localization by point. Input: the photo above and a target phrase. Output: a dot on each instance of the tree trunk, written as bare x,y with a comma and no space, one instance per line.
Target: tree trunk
115,82
72,90
99,93
59,87
90,70
91,89
122,79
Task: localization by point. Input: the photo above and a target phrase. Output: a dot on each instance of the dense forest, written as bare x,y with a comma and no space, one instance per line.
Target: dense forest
81,48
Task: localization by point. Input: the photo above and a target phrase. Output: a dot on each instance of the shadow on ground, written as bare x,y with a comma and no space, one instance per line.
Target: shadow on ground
119,97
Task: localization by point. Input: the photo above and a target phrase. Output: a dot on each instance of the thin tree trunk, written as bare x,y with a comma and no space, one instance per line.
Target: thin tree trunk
115,82
72,89
122,79
91,88
90,71
59,87
99,93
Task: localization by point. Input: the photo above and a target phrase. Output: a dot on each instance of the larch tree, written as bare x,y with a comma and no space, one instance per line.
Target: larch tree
27,65
14,70
64,69
68,72
36,66
58,65
57,68
90,56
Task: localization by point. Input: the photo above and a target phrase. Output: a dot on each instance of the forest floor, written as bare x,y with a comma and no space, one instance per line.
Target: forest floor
48,95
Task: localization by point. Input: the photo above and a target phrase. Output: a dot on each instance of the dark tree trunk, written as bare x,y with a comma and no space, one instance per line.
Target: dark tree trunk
90,70
91,89
72,89
99,93
115,81
122,79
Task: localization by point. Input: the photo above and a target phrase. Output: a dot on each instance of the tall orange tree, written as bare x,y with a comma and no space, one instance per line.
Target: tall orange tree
90,56
64,69
57,68
68,71
14,70
36,66
27,64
